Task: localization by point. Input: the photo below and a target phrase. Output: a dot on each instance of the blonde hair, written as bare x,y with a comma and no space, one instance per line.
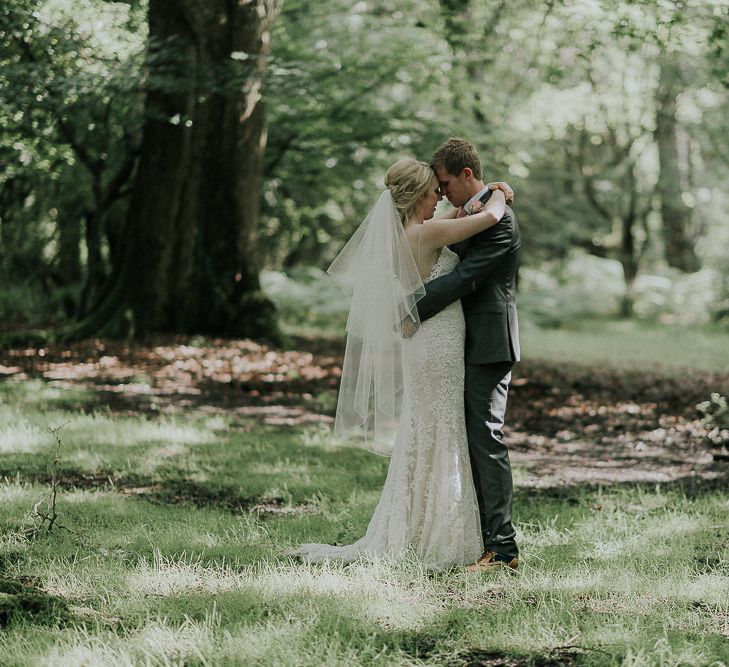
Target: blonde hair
408,180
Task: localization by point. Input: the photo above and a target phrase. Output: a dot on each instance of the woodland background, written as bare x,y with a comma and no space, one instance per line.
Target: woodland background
176,175
156,158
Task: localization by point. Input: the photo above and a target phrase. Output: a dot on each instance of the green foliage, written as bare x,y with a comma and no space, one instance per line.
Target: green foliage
627,344
715,416
70,111
559,98
31,304
308,301
715,411
351,89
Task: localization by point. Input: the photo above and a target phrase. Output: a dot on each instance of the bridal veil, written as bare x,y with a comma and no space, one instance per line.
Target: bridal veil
377,268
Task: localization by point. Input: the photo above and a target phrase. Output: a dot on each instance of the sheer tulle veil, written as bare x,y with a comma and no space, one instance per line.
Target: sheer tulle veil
377,268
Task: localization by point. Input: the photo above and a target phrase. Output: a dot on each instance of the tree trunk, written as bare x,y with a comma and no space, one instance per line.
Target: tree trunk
188,261
629,260
95,271
69,247
676,215
226,288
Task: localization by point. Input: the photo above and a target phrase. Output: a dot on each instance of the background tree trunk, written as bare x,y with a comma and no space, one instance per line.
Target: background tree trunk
679,246
69,247
95,272
188,260
226,290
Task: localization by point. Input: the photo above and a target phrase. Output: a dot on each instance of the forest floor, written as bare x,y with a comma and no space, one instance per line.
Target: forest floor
185,468
568,423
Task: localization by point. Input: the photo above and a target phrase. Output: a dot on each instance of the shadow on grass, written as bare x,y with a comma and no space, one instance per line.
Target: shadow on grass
692,486
343,618
163,490
23,602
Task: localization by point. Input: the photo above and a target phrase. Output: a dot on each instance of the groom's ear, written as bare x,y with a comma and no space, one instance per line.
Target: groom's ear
468,172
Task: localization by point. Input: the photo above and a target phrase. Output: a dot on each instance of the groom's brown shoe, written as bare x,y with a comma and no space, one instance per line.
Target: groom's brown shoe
493,561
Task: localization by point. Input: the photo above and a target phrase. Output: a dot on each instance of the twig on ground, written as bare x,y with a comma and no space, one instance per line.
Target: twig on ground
48,519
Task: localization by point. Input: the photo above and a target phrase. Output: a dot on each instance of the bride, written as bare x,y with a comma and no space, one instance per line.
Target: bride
403,395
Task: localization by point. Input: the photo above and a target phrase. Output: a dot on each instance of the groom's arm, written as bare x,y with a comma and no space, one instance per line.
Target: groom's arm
484,252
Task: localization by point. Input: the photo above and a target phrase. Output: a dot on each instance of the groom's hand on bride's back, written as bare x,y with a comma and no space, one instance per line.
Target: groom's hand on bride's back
408,326
505,188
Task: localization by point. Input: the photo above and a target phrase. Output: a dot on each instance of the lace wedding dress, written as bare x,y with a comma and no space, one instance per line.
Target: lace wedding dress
428,505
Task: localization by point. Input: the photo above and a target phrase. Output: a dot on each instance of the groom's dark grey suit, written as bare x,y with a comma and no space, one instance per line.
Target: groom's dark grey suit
485,280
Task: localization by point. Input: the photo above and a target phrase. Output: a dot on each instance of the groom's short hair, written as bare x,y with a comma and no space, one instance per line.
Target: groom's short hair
455,155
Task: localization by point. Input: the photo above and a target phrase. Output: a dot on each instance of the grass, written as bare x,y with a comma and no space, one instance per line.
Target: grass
635,576
630,343
179,525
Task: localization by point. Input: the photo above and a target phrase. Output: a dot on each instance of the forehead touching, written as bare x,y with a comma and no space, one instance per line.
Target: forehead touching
443,174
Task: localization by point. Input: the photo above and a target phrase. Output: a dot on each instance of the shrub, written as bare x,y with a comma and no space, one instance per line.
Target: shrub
715,417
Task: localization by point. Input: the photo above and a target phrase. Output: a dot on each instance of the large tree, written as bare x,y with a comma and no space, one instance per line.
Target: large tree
188,261
676,215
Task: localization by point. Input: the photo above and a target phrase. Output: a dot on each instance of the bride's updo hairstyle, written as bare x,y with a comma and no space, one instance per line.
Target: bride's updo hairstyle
408,180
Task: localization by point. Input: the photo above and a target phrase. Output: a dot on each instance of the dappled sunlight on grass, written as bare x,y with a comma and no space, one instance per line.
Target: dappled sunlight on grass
705,588
182,605
180,525
377,589
125,432
155,642
301,472
24,434
37,394
669,526
11,492
23,437
187,640
88,498
166,577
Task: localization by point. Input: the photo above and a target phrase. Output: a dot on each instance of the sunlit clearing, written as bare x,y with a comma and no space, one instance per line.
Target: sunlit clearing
24,435
10,492
372,586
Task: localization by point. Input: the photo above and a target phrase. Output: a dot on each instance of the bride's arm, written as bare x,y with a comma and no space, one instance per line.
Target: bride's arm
440,232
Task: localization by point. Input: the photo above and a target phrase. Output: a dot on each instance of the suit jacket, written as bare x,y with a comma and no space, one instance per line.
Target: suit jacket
485,281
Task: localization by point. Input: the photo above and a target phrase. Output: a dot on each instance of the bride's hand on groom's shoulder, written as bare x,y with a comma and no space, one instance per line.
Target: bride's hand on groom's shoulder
505,188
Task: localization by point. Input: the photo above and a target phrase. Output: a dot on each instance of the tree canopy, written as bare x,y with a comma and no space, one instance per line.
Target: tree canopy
608,118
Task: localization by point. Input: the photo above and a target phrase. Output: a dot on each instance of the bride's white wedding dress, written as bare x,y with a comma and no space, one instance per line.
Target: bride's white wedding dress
428,504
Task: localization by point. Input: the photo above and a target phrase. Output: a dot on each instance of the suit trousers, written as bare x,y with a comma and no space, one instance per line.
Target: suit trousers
486,390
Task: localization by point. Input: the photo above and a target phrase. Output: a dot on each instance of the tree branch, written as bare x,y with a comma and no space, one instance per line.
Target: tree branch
588,183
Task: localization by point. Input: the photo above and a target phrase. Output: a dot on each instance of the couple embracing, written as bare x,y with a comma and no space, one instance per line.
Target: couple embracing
432,336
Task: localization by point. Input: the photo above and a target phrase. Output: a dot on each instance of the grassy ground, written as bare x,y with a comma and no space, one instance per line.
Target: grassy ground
629,343
176,522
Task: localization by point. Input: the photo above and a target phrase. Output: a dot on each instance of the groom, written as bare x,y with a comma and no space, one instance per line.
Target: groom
484,280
